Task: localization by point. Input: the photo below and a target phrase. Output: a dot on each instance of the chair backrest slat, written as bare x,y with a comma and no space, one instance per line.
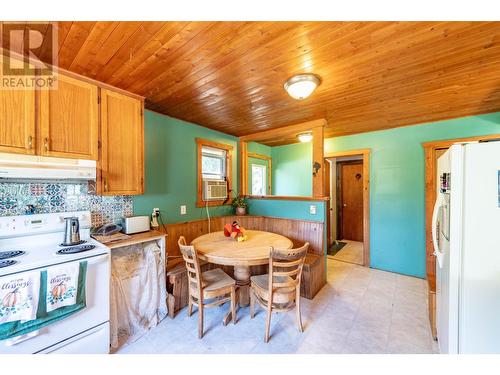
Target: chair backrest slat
285,267
286,273
193,267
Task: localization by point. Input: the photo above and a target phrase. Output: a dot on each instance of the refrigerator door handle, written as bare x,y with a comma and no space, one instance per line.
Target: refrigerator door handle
435,234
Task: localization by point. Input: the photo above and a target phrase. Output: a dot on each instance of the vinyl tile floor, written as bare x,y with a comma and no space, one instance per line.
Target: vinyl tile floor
359,310
352,252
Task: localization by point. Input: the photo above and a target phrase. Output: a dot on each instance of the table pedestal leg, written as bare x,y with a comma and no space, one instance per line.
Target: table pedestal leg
242,276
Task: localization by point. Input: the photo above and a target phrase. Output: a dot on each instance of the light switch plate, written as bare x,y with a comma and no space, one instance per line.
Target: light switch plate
183,210
312,209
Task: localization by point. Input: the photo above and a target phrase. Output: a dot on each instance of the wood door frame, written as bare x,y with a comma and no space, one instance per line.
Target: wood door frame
339,195
430,196
366,196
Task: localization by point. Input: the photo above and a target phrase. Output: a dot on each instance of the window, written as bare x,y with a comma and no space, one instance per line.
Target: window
214,163
259,177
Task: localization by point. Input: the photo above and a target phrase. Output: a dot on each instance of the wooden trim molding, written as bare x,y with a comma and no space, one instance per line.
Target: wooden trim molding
366,196
318,177
259,156
229,171
337,154
243,173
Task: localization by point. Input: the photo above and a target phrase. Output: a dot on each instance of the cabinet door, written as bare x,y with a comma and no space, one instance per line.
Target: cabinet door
122,135
17,121
69,120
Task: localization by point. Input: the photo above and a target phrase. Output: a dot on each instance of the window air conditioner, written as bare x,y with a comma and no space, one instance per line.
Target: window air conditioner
214,190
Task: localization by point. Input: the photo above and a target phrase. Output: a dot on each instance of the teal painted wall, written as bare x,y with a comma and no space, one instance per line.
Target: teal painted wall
397,186
292,169
288,209
259,148
170,168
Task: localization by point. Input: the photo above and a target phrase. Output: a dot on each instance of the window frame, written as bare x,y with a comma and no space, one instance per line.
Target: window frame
200,143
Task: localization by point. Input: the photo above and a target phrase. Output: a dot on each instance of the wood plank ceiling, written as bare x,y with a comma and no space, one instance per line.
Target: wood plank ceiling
229,76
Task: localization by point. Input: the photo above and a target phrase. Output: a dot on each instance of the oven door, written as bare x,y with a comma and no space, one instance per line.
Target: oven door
94,314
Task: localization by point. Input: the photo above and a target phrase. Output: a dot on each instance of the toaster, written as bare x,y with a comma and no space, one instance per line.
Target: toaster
135,224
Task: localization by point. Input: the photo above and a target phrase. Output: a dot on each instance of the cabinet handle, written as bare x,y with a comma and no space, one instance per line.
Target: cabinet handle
46,144
105,184
30,142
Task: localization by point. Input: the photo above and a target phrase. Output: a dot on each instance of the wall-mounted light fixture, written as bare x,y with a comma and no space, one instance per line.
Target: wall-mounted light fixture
316,167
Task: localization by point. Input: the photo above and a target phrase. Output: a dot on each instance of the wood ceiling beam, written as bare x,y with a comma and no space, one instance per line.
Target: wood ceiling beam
285,131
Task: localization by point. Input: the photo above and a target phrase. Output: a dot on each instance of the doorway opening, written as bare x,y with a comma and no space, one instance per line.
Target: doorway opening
347,185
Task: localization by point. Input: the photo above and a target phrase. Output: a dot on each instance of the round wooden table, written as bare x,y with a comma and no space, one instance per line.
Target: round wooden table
216,248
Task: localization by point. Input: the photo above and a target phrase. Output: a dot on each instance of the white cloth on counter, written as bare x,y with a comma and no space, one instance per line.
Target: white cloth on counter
19,296
62,285
138,291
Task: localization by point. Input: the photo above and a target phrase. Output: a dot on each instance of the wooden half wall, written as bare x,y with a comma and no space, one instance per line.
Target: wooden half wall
299,231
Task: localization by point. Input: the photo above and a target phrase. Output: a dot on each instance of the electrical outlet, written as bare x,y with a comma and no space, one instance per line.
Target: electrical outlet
183,210
312,209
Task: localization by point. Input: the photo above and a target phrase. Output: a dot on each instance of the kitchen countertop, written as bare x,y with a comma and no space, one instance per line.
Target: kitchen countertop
137,238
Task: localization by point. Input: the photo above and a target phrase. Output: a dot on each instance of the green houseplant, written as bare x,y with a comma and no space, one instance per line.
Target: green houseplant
240,205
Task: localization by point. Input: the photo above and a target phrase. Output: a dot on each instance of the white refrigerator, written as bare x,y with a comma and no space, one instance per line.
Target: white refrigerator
466,236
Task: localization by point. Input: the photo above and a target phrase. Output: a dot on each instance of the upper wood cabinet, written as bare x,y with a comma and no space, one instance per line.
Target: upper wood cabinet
122,145
17,121
69,120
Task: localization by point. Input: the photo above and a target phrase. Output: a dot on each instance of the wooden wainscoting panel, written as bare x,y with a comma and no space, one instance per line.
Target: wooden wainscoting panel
299,231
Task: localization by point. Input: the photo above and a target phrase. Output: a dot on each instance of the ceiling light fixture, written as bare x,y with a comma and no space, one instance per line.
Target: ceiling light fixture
302,85
305,137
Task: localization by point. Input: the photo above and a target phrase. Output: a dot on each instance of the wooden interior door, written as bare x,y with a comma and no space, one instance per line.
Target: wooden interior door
17,121
350,182
69,120
122,133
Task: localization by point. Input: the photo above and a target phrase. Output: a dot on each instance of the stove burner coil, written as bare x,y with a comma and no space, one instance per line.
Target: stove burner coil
73,244
7,263
11,254
75,249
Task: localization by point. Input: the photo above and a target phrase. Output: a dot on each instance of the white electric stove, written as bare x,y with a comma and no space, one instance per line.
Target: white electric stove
32,242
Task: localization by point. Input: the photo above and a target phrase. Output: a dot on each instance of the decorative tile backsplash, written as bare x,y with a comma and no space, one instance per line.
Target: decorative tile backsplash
61,197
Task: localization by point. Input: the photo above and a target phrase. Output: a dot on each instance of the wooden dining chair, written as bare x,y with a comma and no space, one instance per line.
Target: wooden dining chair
206,289
279,290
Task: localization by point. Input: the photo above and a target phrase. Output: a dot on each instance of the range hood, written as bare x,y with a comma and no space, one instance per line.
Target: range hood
28,167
